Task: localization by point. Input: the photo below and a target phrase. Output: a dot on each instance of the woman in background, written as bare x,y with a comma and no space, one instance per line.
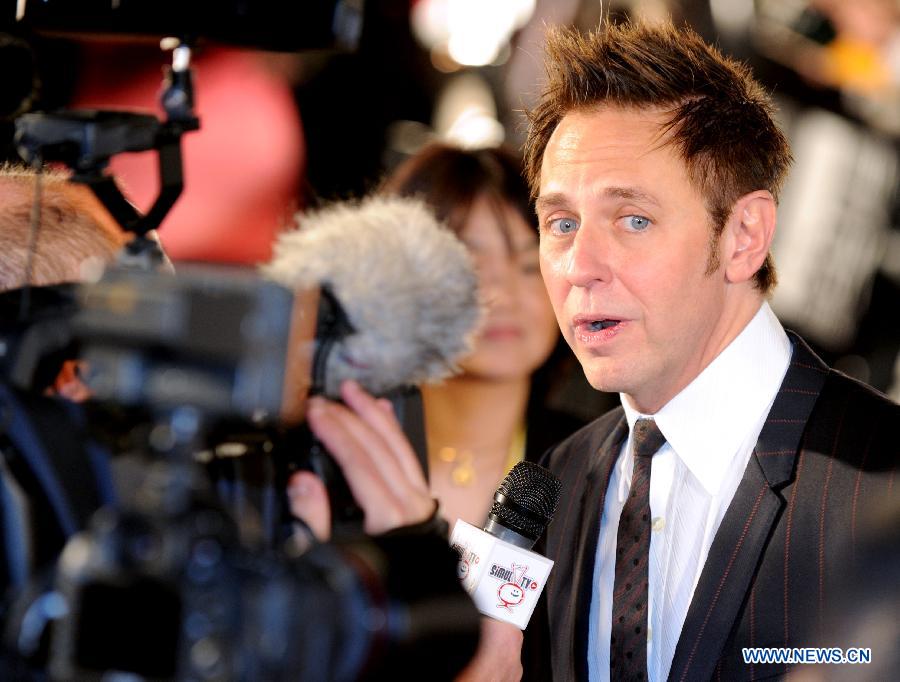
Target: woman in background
483,421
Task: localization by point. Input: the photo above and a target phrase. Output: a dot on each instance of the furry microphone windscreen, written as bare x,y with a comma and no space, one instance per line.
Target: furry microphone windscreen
406,283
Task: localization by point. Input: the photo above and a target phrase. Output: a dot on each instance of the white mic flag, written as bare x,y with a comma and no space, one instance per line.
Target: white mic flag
496,565
503,580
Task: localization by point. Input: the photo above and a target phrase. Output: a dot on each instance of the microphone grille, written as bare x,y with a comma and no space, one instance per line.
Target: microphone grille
526,499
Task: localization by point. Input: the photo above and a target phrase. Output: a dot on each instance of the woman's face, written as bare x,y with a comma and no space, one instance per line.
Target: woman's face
519,330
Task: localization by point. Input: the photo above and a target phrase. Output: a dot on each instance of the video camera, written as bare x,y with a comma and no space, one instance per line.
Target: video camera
168,584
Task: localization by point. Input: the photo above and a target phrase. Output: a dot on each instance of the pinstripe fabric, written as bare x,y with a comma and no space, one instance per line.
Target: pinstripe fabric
824,461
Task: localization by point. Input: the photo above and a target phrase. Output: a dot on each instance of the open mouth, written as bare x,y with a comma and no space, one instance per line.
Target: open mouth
599,325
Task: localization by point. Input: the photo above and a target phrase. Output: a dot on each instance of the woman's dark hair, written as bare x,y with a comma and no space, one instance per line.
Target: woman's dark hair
450,179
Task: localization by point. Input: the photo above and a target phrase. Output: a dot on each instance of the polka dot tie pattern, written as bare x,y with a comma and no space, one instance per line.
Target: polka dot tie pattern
628,645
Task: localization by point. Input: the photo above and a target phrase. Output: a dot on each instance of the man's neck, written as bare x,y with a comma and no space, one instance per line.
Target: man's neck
650,399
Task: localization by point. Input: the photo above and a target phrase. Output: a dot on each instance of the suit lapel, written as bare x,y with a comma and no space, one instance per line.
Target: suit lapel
593,497
741,539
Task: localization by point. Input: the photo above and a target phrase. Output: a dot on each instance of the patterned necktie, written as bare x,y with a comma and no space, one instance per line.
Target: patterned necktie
628,645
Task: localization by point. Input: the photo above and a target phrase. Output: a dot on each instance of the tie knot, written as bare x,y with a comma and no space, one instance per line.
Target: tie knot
646,438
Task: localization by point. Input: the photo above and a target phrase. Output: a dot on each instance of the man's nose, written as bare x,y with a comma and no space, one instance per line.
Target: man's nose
588,257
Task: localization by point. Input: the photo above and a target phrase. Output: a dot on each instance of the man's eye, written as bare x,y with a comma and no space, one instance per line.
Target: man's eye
563,225
637,223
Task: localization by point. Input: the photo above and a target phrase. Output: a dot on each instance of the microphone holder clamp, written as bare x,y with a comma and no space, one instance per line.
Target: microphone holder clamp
85,141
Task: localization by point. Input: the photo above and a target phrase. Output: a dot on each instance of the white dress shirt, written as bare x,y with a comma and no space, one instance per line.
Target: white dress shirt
711,428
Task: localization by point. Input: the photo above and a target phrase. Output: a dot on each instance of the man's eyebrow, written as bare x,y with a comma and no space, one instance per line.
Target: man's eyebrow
556,199
548,201
631,193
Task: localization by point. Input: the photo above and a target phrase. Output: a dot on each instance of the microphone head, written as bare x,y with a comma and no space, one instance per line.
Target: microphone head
406,283
525,501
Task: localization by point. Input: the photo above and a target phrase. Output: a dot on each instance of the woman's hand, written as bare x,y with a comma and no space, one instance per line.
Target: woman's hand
379,464
384,475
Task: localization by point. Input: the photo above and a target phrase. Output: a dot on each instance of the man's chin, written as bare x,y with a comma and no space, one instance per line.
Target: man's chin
602,376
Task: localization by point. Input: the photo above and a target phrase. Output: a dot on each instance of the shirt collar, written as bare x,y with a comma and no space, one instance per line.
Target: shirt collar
706,423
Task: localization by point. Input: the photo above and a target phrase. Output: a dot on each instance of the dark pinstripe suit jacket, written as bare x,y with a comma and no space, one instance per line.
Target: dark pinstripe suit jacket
826,455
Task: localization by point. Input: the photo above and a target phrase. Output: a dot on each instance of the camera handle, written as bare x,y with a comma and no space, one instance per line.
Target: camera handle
332,325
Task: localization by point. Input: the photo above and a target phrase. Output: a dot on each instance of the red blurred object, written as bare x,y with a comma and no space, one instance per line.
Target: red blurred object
242,169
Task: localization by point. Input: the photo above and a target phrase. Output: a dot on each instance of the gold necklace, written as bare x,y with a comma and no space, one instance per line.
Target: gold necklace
462,472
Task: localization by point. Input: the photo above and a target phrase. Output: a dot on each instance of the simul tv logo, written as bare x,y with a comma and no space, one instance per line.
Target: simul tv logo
515,584
467,559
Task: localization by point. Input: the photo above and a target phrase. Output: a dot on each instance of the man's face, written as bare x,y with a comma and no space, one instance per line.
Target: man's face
625,241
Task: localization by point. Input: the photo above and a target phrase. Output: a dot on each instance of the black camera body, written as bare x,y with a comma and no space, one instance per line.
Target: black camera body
169,583
165,590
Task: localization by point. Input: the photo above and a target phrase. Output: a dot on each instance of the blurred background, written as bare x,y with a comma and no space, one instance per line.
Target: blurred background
285,131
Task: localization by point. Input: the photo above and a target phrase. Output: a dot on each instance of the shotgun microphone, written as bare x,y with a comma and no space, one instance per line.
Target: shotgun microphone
406,283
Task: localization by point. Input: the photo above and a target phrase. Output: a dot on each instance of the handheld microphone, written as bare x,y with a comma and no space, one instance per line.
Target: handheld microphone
496,565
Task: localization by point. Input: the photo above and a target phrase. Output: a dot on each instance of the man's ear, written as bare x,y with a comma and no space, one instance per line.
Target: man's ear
749,233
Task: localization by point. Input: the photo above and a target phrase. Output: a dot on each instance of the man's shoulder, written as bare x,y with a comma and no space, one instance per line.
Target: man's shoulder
847,421
837,393
845,389
850,414
587,439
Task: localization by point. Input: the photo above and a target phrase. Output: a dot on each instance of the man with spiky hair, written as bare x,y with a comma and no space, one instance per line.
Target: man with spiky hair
715,512
708,513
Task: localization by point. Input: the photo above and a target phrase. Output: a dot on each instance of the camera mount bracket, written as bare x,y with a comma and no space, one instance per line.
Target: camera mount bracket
86,140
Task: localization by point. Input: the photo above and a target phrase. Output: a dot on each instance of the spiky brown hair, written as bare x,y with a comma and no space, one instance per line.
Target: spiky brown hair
720,119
